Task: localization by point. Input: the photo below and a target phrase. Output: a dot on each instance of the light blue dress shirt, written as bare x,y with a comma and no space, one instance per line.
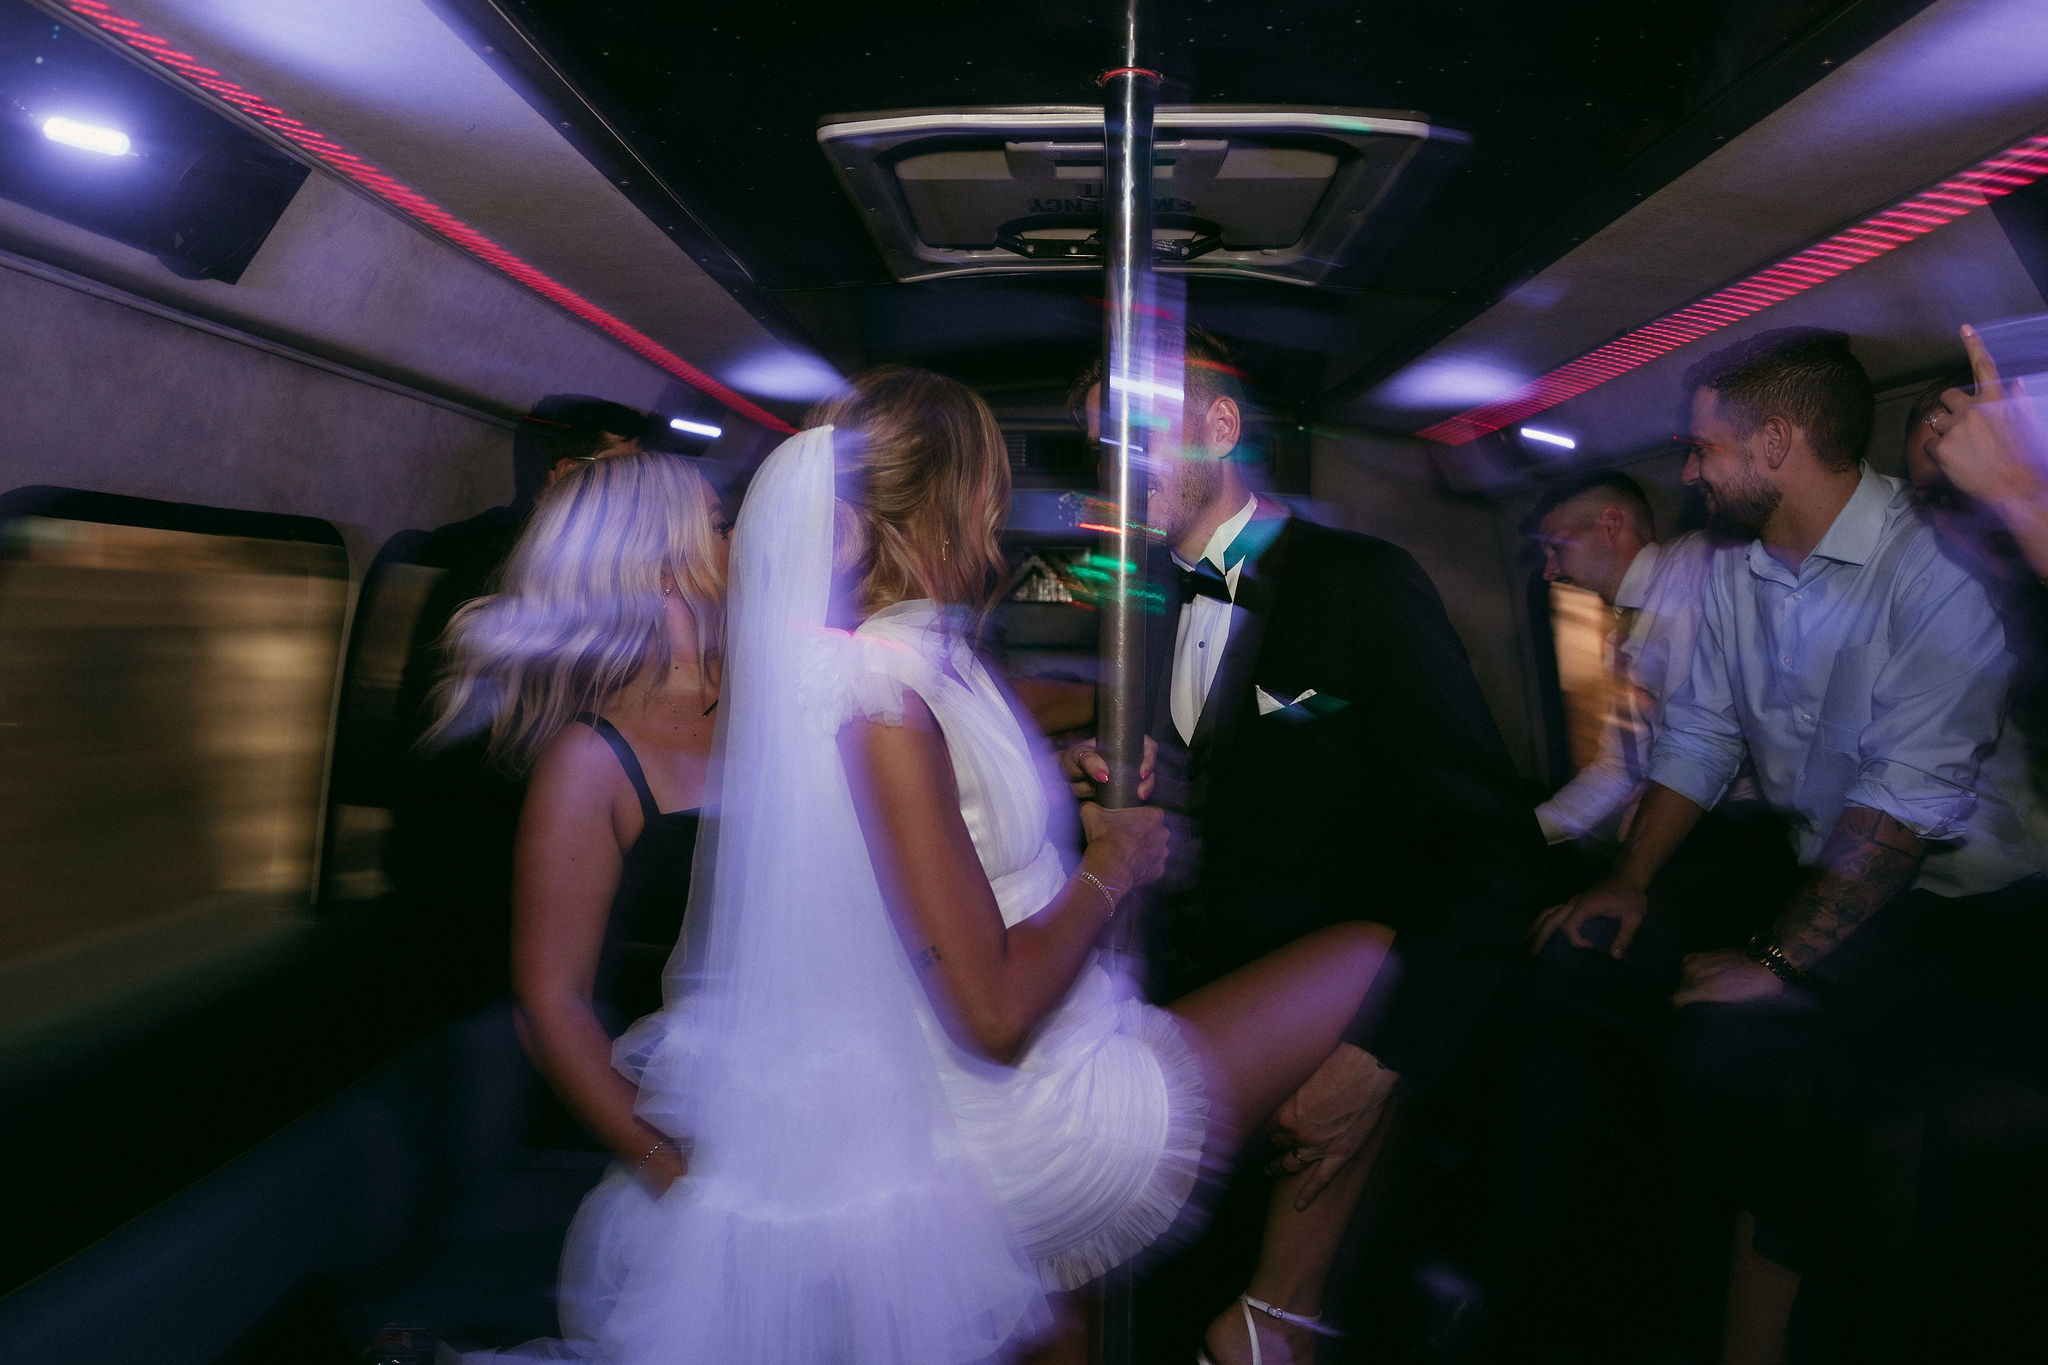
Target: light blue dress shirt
1874,676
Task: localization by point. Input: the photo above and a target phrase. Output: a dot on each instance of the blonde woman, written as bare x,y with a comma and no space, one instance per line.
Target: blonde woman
594,669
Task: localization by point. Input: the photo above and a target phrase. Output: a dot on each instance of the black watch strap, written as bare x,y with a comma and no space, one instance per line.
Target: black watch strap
1762,950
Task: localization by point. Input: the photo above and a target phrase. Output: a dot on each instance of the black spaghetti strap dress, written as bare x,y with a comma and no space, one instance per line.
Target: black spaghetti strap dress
647,910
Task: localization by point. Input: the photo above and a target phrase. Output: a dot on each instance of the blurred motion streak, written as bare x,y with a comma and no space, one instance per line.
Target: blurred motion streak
1579,624
164,700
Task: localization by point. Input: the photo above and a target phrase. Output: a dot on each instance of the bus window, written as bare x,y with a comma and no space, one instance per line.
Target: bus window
164,705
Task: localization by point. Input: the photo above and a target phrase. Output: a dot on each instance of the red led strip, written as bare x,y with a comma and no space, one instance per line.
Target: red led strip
413,204
1873,237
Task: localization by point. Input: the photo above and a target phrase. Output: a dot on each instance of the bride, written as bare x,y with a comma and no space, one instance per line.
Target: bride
913,1100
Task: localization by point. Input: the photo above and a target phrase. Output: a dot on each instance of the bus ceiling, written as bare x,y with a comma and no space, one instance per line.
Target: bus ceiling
1573,113
1621,162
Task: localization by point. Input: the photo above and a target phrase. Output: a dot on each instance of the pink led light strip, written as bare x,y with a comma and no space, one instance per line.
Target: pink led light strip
1990,179
413,204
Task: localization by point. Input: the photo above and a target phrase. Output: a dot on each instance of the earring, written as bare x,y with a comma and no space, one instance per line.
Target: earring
668,591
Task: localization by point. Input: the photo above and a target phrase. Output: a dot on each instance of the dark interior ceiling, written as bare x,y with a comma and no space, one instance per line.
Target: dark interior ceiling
1575,111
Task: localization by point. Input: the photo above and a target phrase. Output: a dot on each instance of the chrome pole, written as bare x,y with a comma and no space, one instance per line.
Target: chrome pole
1129,408
1129,405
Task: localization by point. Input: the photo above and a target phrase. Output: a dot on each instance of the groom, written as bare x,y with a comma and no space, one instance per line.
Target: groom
1324,742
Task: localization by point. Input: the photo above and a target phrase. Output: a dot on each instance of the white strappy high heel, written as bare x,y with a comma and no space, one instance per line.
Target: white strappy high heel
1311,1322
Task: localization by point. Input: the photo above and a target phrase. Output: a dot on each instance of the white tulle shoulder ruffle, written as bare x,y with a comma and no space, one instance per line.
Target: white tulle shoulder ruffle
859,676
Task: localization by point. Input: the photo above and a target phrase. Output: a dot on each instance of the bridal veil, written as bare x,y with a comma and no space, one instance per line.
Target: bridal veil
829,1214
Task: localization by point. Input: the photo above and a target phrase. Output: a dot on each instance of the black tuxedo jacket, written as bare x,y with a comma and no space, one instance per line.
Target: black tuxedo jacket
1388,795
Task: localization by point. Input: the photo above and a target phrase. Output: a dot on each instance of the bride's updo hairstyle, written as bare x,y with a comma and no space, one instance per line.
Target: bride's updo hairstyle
924,488
579,610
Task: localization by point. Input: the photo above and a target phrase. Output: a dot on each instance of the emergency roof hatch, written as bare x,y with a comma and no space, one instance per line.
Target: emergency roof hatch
1284,193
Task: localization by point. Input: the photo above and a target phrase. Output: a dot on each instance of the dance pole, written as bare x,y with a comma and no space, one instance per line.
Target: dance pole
1129,405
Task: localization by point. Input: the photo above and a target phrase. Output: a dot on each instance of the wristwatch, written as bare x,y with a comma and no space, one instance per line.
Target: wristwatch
1767,954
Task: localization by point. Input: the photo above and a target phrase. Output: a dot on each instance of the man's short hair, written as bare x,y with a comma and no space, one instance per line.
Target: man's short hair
1210,372
1929,398
1615,488
567,426
1806,375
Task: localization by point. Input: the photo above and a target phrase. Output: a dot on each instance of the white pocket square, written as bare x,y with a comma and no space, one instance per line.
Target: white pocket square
1268,703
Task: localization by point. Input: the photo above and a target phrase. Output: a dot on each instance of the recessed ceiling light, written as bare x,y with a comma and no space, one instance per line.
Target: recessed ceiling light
86,136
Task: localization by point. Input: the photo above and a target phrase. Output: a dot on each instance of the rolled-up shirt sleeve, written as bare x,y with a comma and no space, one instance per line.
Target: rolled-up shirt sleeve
1699,734
1602,787
1936,705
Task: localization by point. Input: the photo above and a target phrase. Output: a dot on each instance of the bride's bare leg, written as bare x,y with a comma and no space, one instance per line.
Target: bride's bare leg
1262,1031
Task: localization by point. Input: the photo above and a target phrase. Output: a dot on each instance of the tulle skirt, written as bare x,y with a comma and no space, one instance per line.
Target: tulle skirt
685,1279
1092,1144
1093,1140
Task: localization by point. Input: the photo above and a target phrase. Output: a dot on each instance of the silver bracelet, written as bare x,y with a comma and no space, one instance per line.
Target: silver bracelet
1109,893
665,1142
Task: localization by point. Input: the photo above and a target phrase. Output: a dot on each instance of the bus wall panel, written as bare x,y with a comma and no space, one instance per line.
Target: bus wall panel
393,82
347,280
1381,486
1902,311
1956,82
106,397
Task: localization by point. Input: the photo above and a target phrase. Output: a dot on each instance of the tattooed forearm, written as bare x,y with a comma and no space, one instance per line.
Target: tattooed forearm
928,958
1868,859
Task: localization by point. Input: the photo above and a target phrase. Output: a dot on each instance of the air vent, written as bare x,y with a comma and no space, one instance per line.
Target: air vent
1286,194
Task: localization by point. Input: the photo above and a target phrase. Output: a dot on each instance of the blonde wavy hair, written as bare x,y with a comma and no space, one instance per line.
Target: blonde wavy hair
924,489
579,611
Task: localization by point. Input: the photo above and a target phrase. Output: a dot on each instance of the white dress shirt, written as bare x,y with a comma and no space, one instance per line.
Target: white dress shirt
1657,615
1204,629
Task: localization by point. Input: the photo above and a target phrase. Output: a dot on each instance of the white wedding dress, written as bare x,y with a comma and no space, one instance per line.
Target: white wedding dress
1093,1139
862,1191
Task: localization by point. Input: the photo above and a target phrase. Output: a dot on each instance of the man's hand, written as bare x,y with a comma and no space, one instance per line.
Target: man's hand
1989,442
1727,977
1086,770
1326,1122
1613,900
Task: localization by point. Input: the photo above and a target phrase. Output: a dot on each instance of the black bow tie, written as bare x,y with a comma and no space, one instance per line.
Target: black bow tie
1205,580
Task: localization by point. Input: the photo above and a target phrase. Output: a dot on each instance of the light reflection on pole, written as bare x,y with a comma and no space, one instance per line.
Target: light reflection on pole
1130,405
